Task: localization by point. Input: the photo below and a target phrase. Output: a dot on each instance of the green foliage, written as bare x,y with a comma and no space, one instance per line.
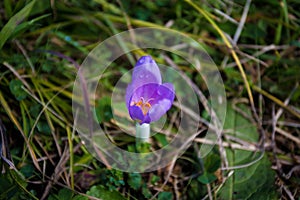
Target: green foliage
115,179
142,147
13,186
27,170
154,179
279,80
165,196
8,190
110,179
206,178
103,109
16,89
104,194
10,27
256,180
146,192
196,189
66,194
162,139
212,163
253,182
135,181
43,127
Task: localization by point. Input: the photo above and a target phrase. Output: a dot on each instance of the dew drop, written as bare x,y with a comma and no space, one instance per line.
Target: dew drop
142,60
68,38
159,93
141,75
147,76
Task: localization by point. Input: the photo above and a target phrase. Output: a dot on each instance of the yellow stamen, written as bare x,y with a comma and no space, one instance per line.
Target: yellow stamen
145,106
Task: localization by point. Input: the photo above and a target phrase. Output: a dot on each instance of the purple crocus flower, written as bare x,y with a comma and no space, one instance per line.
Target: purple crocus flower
147,98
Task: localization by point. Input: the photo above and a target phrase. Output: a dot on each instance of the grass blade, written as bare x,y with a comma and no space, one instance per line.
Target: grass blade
11,25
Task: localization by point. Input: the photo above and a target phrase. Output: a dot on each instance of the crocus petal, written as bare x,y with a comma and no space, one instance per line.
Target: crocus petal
147,99
145,72
160,97
136,113
158,110
145,91
164,91
128,95
146,120
162,101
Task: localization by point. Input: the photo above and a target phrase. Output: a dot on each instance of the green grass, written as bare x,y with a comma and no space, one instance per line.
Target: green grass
43,42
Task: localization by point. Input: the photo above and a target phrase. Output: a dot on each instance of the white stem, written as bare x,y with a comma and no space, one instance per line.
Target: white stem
143,132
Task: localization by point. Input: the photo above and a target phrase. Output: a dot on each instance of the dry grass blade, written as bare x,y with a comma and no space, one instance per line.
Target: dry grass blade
277,101
4,151
242,22
288,135
59,169
230,47
15,121
11,68
26,56
249,147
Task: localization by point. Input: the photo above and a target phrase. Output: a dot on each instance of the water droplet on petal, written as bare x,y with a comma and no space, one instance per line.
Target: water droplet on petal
142,60
159,92
147,76
141,75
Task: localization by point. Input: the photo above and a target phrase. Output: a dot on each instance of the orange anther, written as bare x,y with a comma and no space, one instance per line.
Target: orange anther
145,106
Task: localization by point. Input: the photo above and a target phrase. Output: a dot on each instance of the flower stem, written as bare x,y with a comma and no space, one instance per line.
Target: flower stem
142,132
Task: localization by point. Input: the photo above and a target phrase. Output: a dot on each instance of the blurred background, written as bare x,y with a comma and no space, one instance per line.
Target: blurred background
255,45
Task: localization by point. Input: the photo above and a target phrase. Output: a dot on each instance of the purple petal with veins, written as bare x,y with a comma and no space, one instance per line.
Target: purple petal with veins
145,71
